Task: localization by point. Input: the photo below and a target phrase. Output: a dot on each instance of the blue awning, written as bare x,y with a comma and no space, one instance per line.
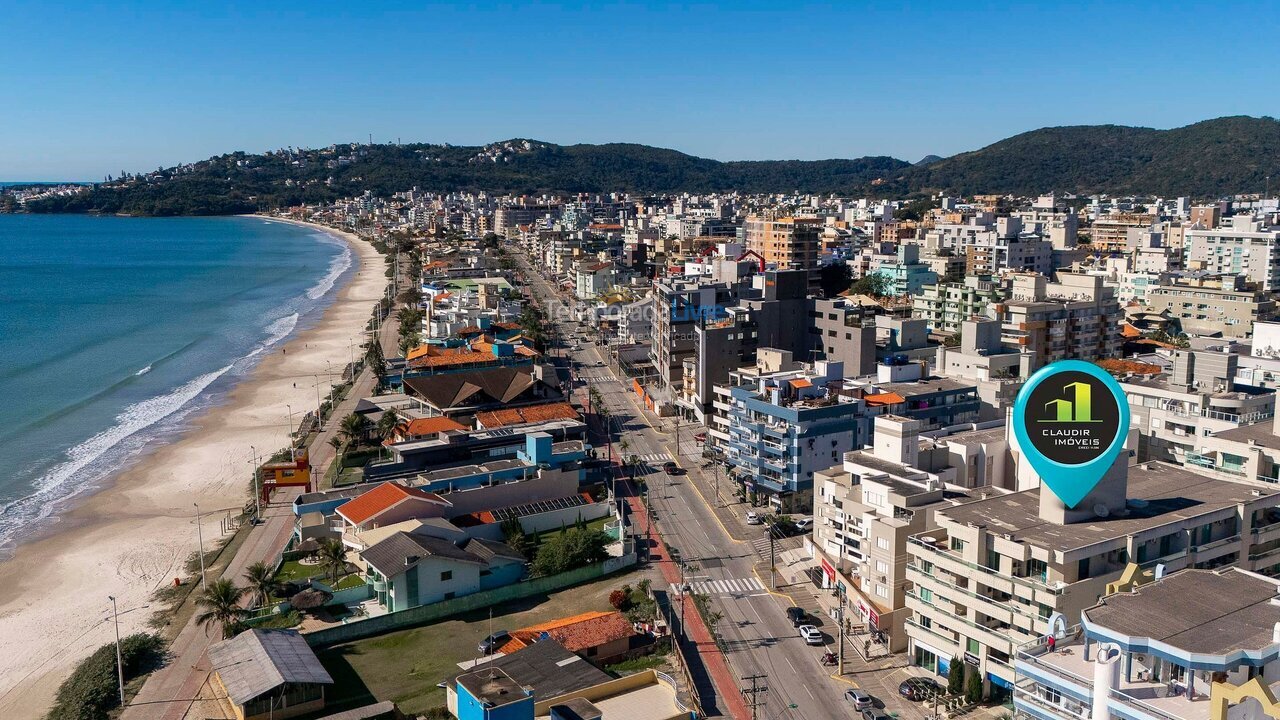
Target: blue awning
999,681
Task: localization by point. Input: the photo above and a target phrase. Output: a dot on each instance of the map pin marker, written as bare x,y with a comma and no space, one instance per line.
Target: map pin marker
1071,419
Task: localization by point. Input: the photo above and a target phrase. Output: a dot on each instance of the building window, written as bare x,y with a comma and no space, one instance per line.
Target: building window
882,543
446,576
882,567
882,591
971,645
957,544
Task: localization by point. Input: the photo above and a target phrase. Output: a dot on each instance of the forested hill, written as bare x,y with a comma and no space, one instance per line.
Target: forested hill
1208,159
239,182
1204,160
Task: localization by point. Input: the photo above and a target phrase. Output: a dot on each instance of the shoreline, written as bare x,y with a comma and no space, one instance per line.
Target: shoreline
134,535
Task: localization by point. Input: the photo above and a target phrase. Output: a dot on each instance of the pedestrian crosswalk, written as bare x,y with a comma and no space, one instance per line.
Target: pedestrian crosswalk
595,376
655,458
761,546
731,586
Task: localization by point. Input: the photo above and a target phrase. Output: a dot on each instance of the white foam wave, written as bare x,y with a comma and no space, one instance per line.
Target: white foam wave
143,371
337,266
133,419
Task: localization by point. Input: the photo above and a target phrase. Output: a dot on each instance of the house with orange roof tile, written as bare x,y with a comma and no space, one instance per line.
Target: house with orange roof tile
390,503
428,428
598,636
530,414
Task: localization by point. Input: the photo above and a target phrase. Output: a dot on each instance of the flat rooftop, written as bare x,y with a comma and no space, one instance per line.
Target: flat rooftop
1171,494
1262,433
492,686
925,385
1207,612
992,434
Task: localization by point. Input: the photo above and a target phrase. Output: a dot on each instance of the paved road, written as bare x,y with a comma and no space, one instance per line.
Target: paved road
757,637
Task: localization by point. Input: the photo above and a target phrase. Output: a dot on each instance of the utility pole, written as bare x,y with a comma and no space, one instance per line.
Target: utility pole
755,691
115,616
257,488
840,627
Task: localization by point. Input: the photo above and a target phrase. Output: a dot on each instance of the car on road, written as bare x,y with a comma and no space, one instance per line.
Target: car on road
753,518
670,468
875,713
919,688
811,635
491,643
797,616
859,699
700,437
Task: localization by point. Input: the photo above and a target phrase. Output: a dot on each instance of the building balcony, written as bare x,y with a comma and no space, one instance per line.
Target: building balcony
953,563
993,637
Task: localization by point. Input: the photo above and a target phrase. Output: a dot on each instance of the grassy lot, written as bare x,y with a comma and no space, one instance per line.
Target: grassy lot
293,570
597,524
405,666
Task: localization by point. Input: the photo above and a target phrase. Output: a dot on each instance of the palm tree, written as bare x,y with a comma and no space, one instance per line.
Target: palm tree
333,559
261,580
219,604
353,428
387,424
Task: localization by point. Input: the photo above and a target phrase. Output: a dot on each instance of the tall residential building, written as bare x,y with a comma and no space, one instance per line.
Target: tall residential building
1246,246
906,275
1226,305
679,305
1076,317
997,574
789,243
945,306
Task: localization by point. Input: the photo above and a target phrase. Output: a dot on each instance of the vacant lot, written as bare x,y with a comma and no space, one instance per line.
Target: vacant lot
405,666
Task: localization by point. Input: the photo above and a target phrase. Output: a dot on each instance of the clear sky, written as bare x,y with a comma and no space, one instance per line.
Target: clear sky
111,86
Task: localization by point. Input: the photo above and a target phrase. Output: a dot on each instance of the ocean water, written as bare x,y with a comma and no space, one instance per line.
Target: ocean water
114,331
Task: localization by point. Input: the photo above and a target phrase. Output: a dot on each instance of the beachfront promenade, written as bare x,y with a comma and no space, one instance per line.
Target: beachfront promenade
173,692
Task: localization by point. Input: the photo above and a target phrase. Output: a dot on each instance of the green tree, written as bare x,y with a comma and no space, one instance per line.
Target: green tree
570,549
354,428
973,687
387,424
333,559
873,284
219,604
513,535
261,583
374,358
90,692
955,676
835,278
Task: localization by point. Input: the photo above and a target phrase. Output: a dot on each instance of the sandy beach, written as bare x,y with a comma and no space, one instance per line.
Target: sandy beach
134,536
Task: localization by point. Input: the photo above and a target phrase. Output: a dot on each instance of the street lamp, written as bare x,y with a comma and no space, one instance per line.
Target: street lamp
289,428
200,552
257,488
115,616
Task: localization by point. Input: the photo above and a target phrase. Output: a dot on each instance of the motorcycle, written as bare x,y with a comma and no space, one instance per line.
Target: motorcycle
830,659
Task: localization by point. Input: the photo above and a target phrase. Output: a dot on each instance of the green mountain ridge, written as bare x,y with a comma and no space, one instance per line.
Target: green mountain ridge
1206,159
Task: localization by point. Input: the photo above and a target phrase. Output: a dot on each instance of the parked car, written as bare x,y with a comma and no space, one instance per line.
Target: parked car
919,688
670,468
753,518
797,616
493,642
811,635
859,699
875,713
700,437
804,525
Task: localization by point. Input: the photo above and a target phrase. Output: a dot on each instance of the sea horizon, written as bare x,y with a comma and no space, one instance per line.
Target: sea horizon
119,331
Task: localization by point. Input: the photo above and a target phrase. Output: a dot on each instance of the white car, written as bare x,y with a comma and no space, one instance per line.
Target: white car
753,518
804,524
811,635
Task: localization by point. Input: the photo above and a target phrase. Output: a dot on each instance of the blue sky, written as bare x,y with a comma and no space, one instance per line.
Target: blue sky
86,91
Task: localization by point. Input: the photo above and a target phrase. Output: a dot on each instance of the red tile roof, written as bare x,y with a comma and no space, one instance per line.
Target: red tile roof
360,510
576,632
431,426
531,414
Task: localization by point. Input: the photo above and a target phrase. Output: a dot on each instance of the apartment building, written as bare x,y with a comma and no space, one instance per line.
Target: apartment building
508,218
1245,246
788,243
1175,414
1190,645
944,306
844,330
782,422
678,306
1110,233
996,369
1000,573
1053,220
1225,305
906,275
1076,317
